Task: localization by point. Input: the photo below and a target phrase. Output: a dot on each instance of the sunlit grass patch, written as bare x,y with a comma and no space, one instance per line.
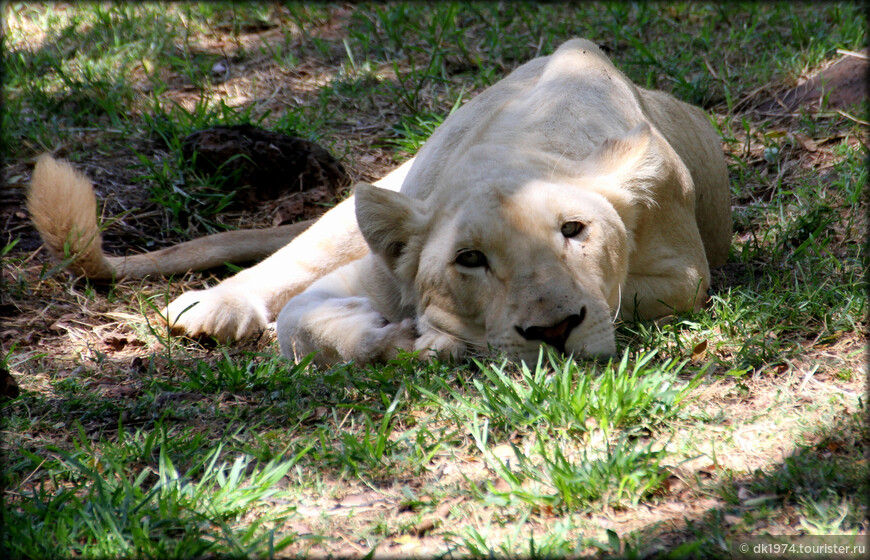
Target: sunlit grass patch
586,428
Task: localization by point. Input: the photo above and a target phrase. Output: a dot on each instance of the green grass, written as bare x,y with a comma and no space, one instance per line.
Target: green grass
568,407
129,442
117,495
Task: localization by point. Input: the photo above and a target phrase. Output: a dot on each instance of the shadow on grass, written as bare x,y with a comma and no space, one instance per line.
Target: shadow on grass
821,488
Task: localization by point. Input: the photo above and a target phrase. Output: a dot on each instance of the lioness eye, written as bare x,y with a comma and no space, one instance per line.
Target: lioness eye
471,258
571,229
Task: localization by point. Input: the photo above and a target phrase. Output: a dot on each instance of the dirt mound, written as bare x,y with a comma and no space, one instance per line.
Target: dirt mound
264,165
842,85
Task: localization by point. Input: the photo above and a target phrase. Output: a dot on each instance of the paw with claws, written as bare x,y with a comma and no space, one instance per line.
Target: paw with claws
222,312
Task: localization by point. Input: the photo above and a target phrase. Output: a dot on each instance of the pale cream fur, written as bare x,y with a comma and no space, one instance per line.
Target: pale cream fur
565,139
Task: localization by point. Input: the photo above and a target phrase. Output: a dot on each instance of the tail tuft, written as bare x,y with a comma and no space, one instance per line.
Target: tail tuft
63,207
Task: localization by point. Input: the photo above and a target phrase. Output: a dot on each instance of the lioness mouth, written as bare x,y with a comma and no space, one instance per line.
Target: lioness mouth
554,335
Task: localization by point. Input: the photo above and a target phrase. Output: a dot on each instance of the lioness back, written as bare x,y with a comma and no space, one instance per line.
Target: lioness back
531,104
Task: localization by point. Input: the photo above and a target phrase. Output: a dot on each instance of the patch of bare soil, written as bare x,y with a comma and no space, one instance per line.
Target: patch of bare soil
841,85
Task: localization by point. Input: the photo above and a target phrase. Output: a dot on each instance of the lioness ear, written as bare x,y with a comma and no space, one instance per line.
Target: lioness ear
630,161
629,169
388,220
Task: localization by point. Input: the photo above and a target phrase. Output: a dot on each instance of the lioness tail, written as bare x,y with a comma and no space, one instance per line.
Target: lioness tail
63,207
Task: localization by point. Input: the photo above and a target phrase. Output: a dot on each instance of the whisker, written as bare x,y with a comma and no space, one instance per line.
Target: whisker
468,342
619,305
556,164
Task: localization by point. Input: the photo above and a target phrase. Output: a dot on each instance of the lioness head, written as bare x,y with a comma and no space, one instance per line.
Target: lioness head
514,250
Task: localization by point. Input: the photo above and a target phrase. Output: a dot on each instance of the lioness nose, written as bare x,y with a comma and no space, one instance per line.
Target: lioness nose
554,335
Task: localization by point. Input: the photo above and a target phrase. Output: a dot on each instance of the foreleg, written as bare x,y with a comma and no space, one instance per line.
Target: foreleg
334,318
248,301
649,296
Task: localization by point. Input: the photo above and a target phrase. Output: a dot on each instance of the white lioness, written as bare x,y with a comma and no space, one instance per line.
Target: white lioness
557,199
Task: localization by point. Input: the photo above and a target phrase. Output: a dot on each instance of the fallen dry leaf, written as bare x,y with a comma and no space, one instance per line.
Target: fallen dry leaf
361,500
699,351
443,510
501,486
301,529
115,343
674,484
807,142
427,524
117,391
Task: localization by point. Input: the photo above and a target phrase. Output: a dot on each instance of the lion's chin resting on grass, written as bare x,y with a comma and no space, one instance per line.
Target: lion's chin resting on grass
557,200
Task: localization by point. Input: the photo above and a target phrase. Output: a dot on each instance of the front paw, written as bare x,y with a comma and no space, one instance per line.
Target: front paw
391,338
435,344
223,312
